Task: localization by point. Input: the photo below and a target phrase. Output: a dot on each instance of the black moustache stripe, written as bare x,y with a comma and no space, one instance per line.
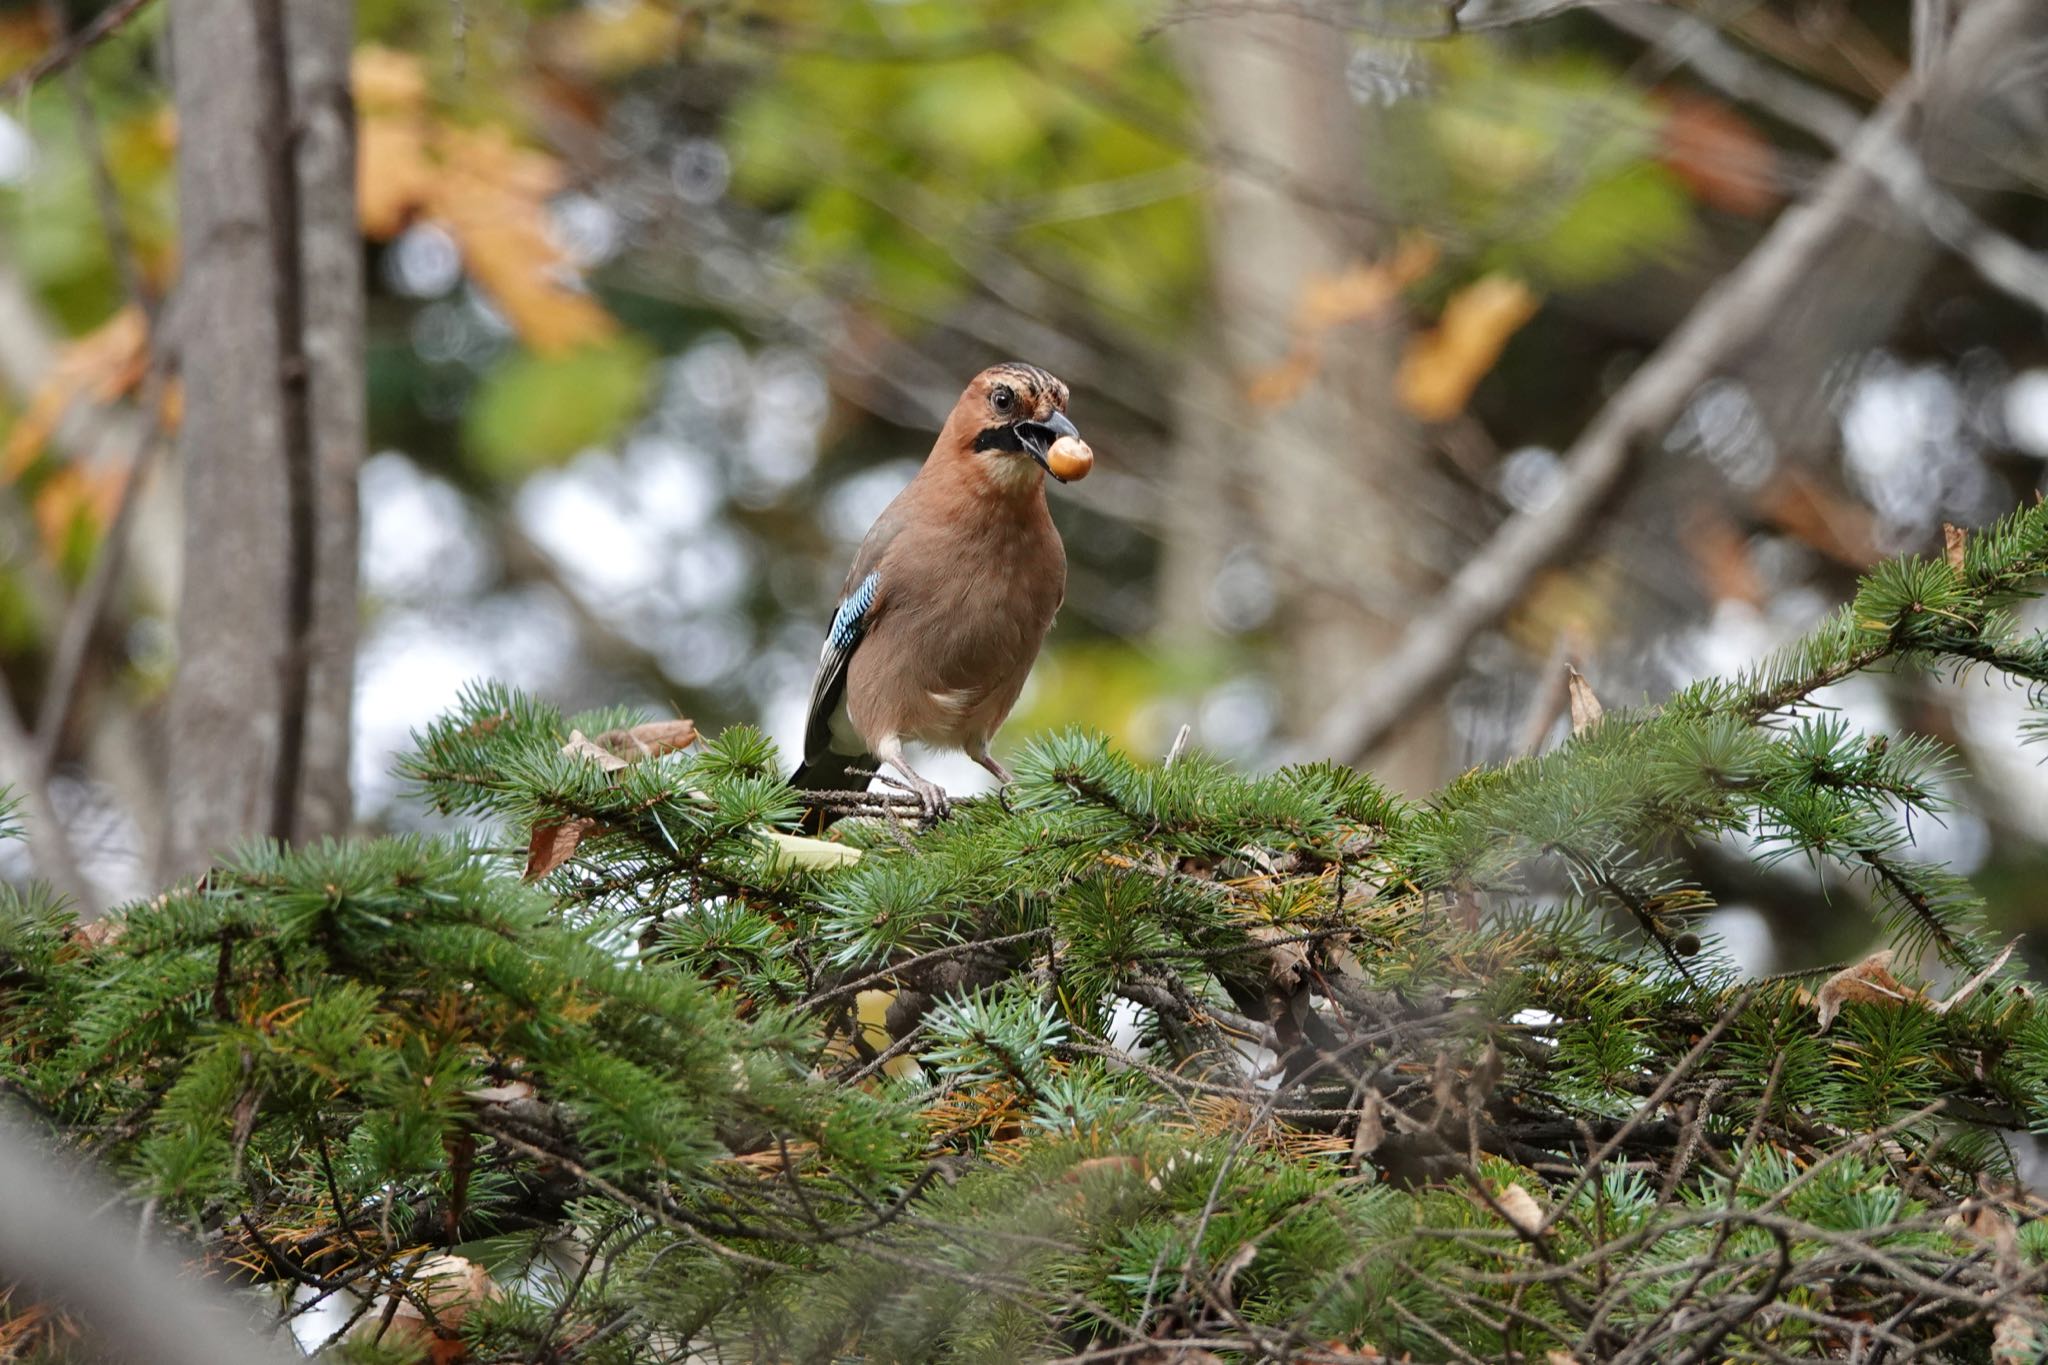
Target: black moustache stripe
1000,438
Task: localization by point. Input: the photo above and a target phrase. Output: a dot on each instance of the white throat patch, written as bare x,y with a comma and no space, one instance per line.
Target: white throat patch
1012,473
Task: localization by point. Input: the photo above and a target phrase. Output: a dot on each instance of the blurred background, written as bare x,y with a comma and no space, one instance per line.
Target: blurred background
666,300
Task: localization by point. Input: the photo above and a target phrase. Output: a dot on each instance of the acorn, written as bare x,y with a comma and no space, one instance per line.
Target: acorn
1069,459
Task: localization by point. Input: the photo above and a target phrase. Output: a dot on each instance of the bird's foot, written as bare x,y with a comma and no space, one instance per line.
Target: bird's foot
1002,774
932,797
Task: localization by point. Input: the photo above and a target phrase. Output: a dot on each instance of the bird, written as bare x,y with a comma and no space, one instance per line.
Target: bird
950,595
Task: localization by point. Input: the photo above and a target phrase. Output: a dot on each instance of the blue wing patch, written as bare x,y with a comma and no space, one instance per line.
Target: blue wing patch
850,620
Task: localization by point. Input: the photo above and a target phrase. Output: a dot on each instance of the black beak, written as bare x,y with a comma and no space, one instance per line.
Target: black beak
1038,437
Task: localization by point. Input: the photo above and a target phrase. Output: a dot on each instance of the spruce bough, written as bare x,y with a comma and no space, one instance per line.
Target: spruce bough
1139,1064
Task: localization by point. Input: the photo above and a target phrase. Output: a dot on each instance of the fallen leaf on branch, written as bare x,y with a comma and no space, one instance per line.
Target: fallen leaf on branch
1286,962
554,844
1586,707
1372,1130
581,745
1869,982
1521,1208
1969,988
651,740
1444,364
500,1094
449,1287
614,749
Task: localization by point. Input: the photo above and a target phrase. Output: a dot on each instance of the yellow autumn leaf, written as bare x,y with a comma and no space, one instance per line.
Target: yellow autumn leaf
488,192
101,366
1443,365
1365,290
385,80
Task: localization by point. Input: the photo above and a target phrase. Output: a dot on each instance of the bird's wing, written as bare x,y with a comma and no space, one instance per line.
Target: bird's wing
860,601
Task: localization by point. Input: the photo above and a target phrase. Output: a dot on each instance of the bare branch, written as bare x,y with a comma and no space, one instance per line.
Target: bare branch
1433,647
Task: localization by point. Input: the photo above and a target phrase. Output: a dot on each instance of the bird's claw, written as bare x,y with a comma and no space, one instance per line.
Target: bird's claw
934,801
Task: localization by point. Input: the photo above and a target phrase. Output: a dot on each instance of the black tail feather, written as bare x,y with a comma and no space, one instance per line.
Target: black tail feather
829,772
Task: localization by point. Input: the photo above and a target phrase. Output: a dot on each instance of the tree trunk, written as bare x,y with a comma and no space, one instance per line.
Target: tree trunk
1326,472
270,348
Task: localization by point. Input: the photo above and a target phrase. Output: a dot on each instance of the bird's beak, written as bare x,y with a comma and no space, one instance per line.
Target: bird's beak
1038,437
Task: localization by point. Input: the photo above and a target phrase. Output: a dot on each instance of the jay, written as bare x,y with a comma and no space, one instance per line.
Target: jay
950,595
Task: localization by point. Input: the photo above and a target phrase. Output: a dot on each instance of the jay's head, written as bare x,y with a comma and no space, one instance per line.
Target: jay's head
1009,420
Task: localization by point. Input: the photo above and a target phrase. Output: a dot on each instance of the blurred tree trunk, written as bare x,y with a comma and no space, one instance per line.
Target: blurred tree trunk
1324,474
270,338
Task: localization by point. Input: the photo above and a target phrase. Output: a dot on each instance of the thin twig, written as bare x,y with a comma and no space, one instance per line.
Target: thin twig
105,25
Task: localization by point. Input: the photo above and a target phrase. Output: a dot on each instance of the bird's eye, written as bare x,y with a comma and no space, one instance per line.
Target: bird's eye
1003,398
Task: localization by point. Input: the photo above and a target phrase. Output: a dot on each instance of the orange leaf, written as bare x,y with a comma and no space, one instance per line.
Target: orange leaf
395,179
1445,364
73,494
1363,291
103,365
1280,384
1719,155
387,80
1721,559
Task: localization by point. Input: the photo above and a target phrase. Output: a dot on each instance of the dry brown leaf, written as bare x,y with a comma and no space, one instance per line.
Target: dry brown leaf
581,745
1101,1165
1443,365
1969,988
2014,1342
552,845
1867,982
450,1287
649,740
501,1094
101,932
1286,962
1520,1207
1585,706
1955,542
1719,155
1371,1130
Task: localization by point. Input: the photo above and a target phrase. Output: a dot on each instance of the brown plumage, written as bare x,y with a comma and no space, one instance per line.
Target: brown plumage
950,596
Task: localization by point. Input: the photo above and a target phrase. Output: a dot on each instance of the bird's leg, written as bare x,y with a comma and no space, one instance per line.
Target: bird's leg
929,794
980,754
